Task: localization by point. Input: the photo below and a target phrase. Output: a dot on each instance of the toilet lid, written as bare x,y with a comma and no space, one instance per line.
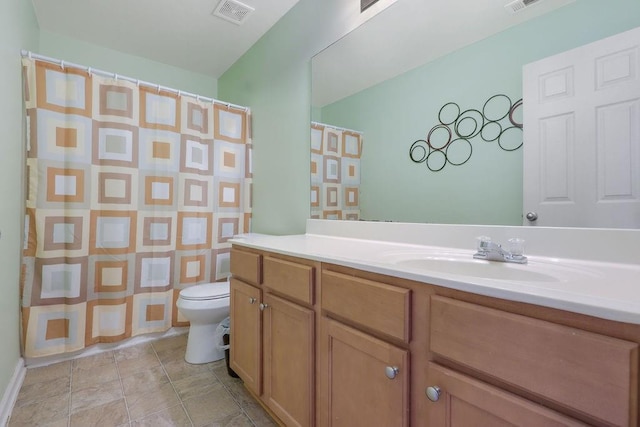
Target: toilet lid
206,291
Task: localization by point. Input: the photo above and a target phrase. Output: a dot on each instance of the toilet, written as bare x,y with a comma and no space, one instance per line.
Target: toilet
204,306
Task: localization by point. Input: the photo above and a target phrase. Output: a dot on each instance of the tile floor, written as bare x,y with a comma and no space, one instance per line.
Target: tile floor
148,384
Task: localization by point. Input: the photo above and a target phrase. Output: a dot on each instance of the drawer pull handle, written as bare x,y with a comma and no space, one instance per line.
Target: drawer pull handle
252,300
433,393
263,306
391,371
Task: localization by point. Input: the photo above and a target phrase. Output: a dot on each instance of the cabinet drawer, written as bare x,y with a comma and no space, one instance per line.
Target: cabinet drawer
246,266
586,372
377,306
289,278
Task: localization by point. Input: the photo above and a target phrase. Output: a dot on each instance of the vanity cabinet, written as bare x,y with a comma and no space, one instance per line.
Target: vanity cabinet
273,333
336,346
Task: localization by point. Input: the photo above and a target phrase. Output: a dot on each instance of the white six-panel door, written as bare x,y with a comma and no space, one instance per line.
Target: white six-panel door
582,135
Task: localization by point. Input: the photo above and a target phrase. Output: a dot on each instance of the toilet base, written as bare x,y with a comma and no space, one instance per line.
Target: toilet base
201,345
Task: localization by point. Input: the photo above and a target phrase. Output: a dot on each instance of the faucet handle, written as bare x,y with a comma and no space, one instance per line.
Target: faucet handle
516,247
483,243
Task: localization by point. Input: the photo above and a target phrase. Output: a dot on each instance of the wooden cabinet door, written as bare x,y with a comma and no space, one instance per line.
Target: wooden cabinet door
246,334
466,402
359,391
289,361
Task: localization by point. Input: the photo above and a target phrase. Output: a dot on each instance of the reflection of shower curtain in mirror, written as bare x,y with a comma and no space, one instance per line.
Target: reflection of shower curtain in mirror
132,194
335,172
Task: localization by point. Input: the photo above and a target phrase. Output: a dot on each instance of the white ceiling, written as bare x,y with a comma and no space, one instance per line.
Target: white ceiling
182,33
410,33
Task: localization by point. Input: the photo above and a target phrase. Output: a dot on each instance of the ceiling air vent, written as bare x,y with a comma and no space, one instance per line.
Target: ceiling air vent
517,5
233,11
365,4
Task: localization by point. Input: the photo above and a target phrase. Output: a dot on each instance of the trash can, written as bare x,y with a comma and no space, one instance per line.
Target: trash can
223,332
231,372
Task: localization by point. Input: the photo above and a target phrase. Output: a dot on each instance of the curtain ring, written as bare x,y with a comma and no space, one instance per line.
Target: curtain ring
89,71
115,76
29,54
138,83
62,64
158,88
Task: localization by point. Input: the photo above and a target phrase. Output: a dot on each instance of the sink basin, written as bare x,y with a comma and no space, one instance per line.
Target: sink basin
464,265
477,268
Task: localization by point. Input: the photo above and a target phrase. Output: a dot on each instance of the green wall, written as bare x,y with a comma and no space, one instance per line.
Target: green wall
394,114
91,55
273,79
18,30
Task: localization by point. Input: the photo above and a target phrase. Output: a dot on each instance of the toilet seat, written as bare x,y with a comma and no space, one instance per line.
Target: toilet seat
206,291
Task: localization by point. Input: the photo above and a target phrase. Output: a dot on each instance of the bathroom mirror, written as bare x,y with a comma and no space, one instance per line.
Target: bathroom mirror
390,78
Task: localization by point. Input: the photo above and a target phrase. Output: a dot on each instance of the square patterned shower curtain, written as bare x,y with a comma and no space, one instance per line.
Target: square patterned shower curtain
335,172
132,194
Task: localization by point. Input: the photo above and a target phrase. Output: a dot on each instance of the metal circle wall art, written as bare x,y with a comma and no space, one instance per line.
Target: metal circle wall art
422,152
512,112
510,139
436,160
450,110
494,106
469,123
491,131
450,141
458,146
433,142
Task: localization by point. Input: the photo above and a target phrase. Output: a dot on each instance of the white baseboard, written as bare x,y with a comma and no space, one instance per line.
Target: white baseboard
11,392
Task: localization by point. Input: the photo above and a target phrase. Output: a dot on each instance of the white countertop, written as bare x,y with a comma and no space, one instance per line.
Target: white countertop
604,289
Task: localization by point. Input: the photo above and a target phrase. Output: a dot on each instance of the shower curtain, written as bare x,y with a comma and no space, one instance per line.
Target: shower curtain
132,194
335,172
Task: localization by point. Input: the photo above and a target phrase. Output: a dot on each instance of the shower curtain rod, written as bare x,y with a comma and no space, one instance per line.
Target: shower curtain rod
91,70
337,127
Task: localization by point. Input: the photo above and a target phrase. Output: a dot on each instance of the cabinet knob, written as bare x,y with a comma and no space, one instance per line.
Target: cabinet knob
252,300
531,216
391,371
433,393
263,306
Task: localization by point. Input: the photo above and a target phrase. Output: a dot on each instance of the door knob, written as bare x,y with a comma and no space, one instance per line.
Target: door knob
252,300
263,306
531,216
433,393
391,371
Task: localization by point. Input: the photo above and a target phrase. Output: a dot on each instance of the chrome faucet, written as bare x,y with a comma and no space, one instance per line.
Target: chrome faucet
495,252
